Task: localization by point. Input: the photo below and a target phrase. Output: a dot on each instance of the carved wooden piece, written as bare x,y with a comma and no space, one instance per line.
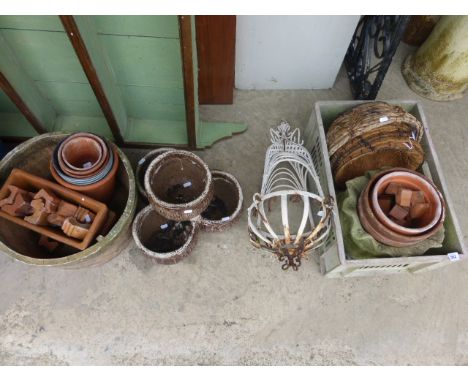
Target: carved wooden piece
71,227
31,182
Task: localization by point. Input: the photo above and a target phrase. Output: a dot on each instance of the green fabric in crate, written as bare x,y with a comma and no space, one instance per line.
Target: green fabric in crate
361,245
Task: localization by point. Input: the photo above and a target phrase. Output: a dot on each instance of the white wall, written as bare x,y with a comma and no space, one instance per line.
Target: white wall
291,52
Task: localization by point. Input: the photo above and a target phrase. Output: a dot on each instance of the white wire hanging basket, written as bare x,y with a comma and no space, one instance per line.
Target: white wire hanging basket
289,175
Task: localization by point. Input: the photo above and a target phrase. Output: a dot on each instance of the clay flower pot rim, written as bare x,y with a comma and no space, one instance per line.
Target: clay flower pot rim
72,170
150,155
81,141
396,227
95,190
375,228
94,178
187,206
161,255
225,175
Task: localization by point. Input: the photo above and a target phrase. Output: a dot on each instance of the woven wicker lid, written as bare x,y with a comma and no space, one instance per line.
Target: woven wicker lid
369,117
391,153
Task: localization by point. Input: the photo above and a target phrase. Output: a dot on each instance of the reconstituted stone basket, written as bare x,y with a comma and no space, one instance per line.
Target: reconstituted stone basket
21,244
173,168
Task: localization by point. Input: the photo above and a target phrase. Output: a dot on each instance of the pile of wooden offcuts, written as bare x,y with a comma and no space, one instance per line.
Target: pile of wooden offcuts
46,209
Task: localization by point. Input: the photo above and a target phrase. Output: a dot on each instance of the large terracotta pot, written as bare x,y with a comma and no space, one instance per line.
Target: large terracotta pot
374,226
431,220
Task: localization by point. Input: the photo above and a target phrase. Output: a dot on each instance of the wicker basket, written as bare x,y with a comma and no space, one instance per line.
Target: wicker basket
333,260
371,135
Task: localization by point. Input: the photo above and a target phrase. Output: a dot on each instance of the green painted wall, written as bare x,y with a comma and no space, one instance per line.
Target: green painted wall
143,55
12,123
46,55
144,52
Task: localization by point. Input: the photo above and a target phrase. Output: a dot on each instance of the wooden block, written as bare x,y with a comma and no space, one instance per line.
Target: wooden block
66,209
13,192
20,206
419,209
418,197
392,188
84,215
386,203
38,205
47,244
50,200
39,217
403,197
24,207
71,227
56,220
398,212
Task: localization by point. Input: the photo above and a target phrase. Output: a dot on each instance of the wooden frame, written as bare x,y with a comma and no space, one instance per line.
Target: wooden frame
90,56
185,29
216,51
87,45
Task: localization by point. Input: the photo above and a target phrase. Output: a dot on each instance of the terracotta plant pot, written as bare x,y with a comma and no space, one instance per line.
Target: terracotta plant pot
179,185
142,166
165,241
81,148
83,180
225,206
375,228
101,190
415,182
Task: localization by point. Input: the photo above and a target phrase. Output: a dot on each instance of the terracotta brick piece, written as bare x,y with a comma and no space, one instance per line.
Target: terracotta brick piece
392,188
398,212
403,197
386,203
418,209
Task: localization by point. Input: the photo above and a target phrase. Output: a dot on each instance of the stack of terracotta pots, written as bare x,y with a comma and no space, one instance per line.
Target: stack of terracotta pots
86,163
407,230
184,196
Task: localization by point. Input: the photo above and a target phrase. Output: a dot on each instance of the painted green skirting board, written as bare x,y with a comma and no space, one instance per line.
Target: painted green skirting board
211,132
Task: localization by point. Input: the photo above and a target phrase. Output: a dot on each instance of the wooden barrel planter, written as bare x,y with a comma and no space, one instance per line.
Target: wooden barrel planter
166,241
225,206
22,244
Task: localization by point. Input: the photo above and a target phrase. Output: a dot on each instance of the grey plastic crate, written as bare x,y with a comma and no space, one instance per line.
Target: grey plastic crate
333,260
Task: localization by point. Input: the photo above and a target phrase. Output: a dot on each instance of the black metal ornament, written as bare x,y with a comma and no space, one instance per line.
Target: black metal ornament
371,51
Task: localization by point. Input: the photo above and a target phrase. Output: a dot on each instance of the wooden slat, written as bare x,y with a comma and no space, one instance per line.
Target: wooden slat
84,39
185,28
22,91
216,47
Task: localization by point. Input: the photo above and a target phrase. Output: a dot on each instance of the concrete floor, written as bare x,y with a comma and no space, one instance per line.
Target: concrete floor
231,304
